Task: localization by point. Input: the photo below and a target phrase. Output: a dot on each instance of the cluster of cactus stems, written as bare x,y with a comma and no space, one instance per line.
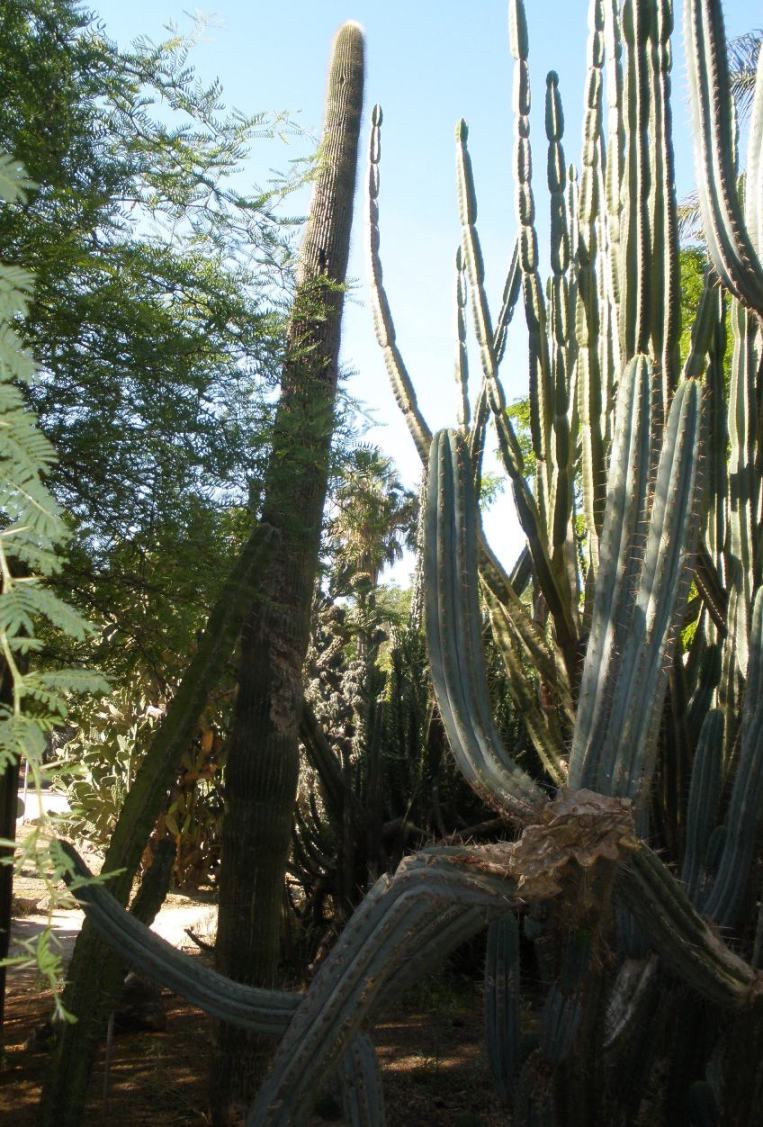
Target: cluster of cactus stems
631,628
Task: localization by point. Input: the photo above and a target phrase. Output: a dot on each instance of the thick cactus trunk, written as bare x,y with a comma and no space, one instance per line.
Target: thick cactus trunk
262,767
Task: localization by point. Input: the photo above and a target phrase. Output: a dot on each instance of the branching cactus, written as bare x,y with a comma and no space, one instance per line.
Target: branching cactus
631,629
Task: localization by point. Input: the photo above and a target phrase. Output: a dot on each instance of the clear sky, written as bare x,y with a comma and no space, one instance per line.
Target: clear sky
429,62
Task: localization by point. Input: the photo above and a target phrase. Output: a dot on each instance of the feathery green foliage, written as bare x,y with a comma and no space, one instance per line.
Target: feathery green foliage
32,533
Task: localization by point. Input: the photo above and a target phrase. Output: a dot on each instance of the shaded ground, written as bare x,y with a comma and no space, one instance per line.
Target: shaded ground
431,1054
431,1049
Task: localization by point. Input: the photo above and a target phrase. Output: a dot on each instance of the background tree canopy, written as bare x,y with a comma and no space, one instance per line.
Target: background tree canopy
156,317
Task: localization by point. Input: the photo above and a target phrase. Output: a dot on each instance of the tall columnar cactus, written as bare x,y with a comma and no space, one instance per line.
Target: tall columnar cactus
263,754
633,639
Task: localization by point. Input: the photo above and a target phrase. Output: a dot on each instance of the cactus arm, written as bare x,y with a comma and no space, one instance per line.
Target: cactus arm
540,376
587,312
511,291
453,628
665,267
462,359
729,890
563,449
528,513
613,172
743,481
402,386
663,581
626,501
754,179
728,240
362,1092
350,985
636,318
502,1027
249,1007
509,617
681,936
263,1011
543,731
704,800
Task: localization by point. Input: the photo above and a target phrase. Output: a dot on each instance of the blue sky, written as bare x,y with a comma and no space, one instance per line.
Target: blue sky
429,62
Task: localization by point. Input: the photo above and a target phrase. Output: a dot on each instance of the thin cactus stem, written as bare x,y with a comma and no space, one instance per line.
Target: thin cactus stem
262,1011
542,728
665,268
704,801
528,637
502,1002
249,1007
635,259
615,153
462,359
744,814
563,449
728,240
528,513
540,374
753,201
587,311
402,385
743,482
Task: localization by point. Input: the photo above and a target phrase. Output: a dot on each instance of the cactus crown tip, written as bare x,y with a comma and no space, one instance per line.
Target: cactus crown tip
350,30
462,130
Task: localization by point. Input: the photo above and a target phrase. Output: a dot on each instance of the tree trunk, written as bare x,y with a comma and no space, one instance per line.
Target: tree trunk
261,775
96,973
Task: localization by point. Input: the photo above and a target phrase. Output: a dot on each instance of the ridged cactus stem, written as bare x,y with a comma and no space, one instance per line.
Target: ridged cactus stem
743,476
704,802
614,168
662,586
728,240
743,820
665,269
635,261
402,384
350,984
529,515
454,633
502,1002
540,374
587,312
259,1011
625,511
681,936
561,498
753,198
511,291
462,358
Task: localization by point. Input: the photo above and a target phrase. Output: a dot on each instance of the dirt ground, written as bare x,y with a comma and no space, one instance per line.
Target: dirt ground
431,1051
432,1057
